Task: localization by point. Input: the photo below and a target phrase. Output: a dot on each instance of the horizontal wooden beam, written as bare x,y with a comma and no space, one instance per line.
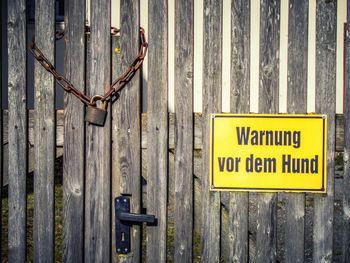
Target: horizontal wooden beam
197,130
60,130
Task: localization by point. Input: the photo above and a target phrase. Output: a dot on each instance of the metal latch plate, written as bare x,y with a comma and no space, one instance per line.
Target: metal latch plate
124,220
122,204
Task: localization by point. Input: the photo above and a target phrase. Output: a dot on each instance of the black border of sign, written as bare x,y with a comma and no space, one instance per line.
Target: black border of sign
213,116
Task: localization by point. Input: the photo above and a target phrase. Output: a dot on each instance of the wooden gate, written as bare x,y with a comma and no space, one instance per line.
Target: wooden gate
160,159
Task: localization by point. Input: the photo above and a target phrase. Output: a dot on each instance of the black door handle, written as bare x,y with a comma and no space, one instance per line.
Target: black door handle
124,220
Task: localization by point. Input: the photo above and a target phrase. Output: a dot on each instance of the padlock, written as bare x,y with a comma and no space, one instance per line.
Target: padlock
96,116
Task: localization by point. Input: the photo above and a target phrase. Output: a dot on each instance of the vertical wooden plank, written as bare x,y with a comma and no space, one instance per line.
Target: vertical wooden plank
183,130
269,56
346,182
325,104
2,19
73,157
17,130
126,135
116,138
296,104
98,141
240,96
157,129
240,56
346,157
212,68
44,137
297,56
268,103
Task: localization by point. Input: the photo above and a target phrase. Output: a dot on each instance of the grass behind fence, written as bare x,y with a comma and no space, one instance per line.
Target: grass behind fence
59,226
30,216
170,230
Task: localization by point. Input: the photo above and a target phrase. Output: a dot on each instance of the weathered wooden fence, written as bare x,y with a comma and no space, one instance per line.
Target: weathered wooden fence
159,159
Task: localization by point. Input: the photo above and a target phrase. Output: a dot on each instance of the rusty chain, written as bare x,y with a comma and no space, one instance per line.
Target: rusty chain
116,85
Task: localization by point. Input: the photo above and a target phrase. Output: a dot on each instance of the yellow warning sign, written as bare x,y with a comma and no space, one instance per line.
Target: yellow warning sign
268,153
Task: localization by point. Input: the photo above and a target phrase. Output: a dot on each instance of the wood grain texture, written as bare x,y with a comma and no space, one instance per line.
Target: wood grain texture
339,118
240,96
184,130
240,56
198,131
116,169
296,104
74,126
238,228
297,56
98,142
157,129
171,120
126,127
339,132
17,128
325,104
44,135
2,168
268,103
269,56
212,69
346,156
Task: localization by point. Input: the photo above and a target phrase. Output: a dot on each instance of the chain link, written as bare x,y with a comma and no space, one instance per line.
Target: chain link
116,85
